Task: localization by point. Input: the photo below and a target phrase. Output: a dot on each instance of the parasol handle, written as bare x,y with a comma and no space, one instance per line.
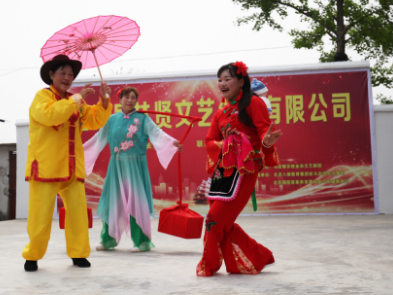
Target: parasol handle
99,71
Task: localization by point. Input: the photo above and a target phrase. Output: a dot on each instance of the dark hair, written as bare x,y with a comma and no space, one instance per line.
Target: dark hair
247,94
58,66
127,90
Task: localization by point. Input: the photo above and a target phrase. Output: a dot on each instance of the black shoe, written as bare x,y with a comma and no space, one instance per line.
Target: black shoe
31,265
81,262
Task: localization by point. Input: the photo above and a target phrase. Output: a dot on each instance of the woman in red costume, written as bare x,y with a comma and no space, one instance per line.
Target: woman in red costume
240,142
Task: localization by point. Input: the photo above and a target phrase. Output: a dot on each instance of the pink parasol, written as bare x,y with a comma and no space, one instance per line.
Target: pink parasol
94,41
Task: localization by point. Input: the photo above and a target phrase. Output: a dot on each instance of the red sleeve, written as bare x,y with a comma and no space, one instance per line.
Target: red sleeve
213,143
259,115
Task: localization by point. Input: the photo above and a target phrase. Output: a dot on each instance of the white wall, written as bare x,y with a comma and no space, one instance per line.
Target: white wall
22,186
4,179
383,115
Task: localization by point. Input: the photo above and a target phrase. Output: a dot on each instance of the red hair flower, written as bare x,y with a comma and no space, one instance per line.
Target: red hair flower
118,93
241,68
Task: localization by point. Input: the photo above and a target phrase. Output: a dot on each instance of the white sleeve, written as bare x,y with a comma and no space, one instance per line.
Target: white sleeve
93,148
162,142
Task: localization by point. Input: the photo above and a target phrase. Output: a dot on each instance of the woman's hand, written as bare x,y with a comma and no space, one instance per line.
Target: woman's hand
178,145
104,90
86,90
228,132
271,136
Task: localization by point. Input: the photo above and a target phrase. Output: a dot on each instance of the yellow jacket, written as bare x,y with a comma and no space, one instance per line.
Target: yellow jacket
55,149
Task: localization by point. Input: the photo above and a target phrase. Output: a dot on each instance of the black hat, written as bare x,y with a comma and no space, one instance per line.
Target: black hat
59,59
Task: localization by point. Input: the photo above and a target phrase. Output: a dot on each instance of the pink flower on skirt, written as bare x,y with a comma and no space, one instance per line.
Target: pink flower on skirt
116,149
130,144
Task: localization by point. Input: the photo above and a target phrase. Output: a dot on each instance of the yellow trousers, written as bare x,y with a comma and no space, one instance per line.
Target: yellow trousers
42,197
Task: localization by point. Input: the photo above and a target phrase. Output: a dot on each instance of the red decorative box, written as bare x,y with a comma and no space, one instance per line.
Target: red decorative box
62,213
180,221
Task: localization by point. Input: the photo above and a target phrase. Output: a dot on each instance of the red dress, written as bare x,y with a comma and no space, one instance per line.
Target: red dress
224,239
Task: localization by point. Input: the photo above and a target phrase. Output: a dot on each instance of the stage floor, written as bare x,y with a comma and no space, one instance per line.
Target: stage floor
314,255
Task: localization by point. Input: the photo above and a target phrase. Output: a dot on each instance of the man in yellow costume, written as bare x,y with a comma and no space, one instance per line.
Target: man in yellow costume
55,159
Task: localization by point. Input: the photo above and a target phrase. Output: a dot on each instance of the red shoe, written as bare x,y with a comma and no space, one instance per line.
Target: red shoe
203,272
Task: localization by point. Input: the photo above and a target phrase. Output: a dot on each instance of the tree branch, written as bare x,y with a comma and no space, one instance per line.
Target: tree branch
308,15
364,30
346,41
331,35
358,21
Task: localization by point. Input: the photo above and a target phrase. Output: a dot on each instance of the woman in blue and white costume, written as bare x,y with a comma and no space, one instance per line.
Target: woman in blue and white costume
126,202
261,90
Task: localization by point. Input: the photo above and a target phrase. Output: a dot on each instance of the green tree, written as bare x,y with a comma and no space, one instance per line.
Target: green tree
383,99
365,26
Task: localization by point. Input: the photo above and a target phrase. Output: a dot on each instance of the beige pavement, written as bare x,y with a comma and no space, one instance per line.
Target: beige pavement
314,255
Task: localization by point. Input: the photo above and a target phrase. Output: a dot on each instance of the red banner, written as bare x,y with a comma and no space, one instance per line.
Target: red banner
325,151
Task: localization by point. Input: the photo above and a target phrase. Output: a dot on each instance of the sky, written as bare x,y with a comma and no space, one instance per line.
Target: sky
176,35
